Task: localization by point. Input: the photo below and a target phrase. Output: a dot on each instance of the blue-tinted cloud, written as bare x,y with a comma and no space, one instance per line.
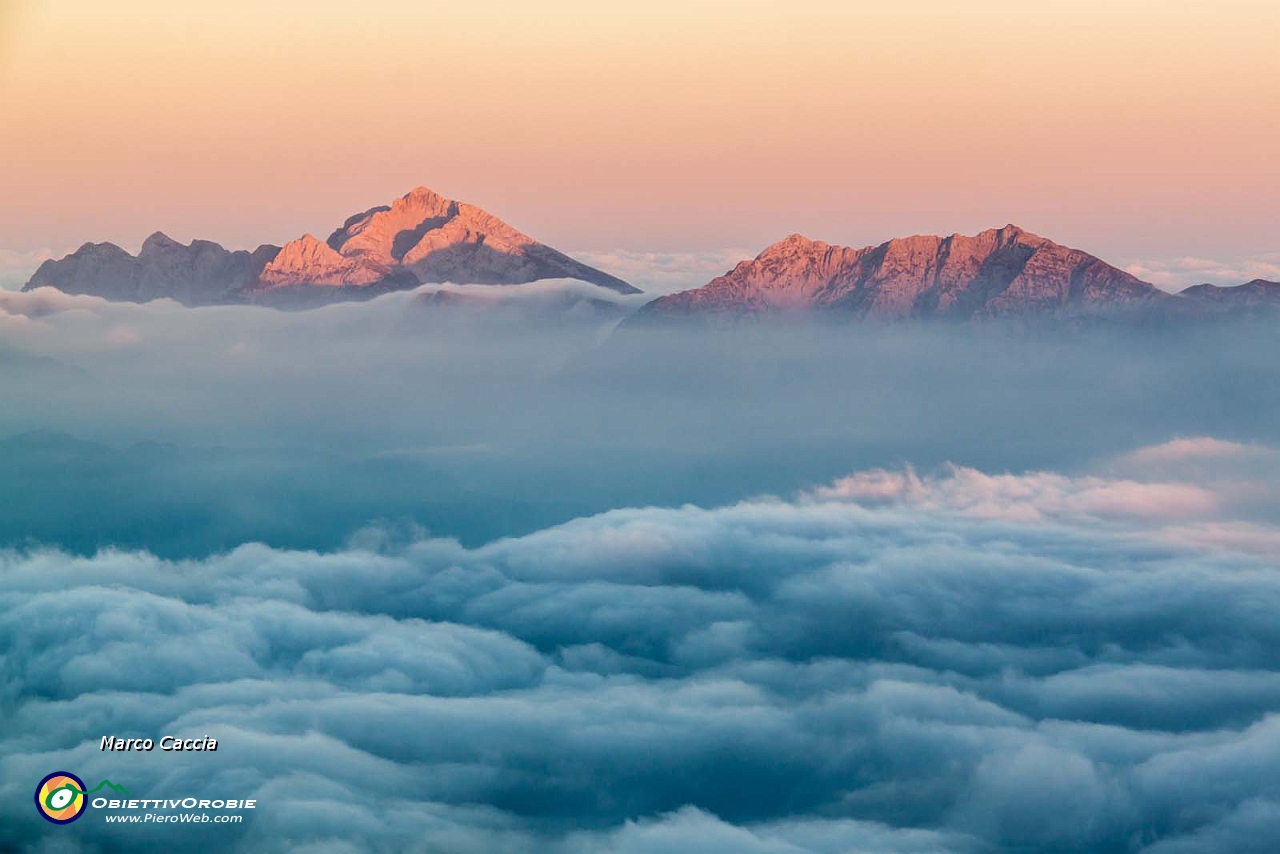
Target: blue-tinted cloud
946,661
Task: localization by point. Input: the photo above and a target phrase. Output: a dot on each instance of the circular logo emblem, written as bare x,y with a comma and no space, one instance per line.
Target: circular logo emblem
60,797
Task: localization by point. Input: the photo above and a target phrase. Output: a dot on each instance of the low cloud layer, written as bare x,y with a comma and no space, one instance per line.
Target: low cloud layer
940,661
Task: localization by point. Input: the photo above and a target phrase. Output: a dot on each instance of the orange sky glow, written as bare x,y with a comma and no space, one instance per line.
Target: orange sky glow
1131,129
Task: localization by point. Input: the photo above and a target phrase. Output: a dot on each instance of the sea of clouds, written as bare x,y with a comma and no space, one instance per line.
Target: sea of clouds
953,661
803,590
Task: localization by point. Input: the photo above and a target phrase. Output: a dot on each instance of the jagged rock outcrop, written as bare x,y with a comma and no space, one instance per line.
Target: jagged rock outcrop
999,272
200,273
419,238
308,261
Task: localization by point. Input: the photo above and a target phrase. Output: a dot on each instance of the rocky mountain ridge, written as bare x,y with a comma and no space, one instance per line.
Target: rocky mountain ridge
201,273
998,272
421,237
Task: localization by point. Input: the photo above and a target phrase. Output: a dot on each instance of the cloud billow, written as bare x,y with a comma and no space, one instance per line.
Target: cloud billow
952,661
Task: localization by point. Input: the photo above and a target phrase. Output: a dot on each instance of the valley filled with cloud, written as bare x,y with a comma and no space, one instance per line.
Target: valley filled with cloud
480,572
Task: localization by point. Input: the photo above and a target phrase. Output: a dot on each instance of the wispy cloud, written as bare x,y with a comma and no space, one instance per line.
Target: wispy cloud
665,272
16,266
1030,496
1176,274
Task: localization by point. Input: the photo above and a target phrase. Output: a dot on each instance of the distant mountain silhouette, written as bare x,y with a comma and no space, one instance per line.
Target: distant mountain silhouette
1251,296
202,273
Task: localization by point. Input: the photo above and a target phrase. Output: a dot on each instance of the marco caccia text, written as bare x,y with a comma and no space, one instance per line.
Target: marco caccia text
169,742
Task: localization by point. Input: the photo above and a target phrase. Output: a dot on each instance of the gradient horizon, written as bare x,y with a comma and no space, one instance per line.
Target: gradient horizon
1133,130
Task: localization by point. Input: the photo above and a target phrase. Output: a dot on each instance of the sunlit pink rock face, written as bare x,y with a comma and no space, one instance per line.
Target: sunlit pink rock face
997,272
309,261
423,237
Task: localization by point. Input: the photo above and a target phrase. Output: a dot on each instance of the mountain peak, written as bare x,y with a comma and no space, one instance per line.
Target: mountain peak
423,193
424,237
156,241
790,245
996,272
105,248
795,239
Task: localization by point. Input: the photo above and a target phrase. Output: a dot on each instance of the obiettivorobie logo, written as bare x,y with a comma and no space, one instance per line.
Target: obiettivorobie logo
61,796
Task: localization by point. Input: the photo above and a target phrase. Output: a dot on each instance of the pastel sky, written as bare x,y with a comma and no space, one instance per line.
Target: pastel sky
1137,129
